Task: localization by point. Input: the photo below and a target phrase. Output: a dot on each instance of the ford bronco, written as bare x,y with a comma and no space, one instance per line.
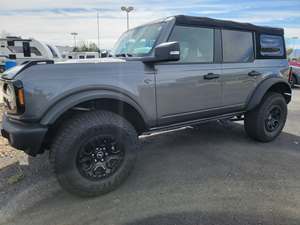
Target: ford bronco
176,72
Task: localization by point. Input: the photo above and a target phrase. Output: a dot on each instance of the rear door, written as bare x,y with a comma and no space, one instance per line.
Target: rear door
239,75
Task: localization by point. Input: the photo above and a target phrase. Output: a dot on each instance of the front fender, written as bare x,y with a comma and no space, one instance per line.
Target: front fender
72,100
277,84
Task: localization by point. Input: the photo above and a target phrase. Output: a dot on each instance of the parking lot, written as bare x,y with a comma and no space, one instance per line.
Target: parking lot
213,174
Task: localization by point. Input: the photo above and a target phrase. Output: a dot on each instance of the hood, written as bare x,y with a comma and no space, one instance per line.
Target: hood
13,72
95,60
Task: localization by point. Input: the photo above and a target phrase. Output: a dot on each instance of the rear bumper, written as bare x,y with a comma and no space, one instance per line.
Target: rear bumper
24,136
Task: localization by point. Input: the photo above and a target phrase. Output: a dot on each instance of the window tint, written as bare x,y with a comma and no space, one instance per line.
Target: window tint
271,45
16,49
35,51
196,44
90,57
52,51
26,49
81,57
237,46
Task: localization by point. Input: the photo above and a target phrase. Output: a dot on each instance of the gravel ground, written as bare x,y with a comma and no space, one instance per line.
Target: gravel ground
6,152
18,171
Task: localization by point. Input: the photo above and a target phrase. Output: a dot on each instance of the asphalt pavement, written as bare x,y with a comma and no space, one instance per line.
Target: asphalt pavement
214,174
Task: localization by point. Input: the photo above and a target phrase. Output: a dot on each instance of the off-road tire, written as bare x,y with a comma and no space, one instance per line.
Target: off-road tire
74,133
255,124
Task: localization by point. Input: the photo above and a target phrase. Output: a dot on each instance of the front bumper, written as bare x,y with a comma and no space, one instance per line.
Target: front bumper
24,136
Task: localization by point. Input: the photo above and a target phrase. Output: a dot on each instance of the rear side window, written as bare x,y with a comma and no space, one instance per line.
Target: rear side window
196,44
237,46
90,57
271,45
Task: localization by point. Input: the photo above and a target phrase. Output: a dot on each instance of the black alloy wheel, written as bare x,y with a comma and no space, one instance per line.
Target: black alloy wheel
100,157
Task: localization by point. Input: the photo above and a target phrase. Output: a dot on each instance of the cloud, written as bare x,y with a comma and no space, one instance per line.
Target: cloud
53,21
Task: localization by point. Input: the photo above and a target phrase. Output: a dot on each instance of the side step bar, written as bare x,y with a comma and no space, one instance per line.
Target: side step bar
194,122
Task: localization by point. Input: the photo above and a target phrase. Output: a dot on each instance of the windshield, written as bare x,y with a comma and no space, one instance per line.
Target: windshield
138,42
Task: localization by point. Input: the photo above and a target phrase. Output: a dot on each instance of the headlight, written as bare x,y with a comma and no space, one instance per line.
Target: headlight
13,96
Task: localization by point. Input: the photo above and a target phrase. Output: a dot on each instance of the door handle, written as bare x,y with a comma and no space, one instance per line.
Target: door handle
211,76
254,73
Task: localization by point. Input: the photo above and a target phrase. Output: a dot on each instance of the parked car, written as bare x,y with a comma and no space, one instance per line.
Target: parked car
2,62
167,74
295,73
22,50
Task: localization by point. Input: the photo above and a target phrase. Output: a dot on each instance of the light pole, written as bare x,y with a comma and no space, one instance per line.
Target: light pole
98,26
74,34
294,45
127,10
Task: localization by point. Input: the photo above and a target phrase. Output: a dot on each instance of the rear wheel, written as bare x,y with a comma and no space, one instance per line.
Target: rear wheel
94,153
266,121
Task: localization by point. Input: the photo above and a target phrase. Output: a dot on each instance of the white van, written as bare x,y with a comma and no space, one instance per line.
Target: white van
28,49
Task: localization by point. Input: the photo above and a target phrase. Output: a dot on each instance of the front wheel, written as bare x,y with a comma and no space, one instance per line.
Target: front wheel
94,153
265,122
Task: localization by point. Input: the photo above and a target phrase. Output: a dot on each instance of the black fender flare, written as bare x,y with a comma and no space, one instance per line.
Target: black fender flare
70,101
266,86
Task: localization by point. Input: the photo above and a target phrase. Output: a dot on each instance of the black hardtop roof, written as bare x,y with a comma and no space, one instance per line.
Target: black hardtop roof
205,21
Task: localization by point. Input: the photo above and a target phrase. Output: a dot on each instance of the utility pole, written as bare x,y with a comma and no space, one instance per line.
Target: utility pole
74,34
294,45
98,27
127,10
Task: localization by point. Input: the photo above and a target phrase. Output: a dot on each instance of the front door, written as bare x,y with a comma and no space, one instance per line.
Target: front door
190,88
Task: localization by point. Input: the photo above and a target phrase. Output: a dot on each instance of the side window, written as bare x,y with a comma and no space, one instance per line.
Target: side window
26,49
271,45
35,51
196,44
237,46
90,57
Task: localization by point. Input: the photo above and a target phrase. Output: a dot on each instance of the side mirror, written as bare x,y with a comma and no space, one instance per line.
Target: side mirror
168,51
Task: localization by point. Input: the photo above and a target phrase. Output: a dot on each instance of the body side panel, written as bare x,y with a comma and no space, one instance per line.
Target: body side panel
47,85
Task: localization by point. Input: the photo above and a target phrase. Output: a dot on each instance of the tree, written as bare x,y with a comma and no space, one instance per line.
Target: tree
289,51
86,47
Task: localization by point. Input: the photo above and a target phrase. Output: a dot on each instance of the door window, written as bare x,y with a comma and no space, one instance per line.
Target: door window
271,45
237,46
26,49
196,44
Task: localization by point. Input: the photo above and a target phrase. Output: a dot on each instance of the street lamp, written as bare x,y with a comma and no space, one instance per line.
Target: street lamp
74,34
98,27
294,44
127,10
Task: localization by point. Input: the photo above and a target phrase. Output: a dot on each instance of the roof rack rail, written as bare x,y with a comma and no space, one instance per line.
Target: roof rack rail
28,64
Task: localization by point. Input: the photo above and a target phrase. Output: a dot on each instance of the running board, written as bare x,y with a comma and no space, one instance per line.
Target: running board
194,122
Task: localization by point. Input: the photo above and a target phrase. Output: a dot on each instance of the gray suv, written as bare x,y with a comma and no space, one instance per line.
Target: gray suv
180,71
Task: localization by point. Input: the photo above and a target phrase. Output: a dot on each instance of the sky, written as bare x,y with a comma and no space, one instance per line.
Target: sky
52,21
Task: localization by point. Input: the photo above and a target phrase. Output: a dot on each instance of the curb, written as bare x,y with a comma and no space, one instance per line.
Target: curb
28,198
